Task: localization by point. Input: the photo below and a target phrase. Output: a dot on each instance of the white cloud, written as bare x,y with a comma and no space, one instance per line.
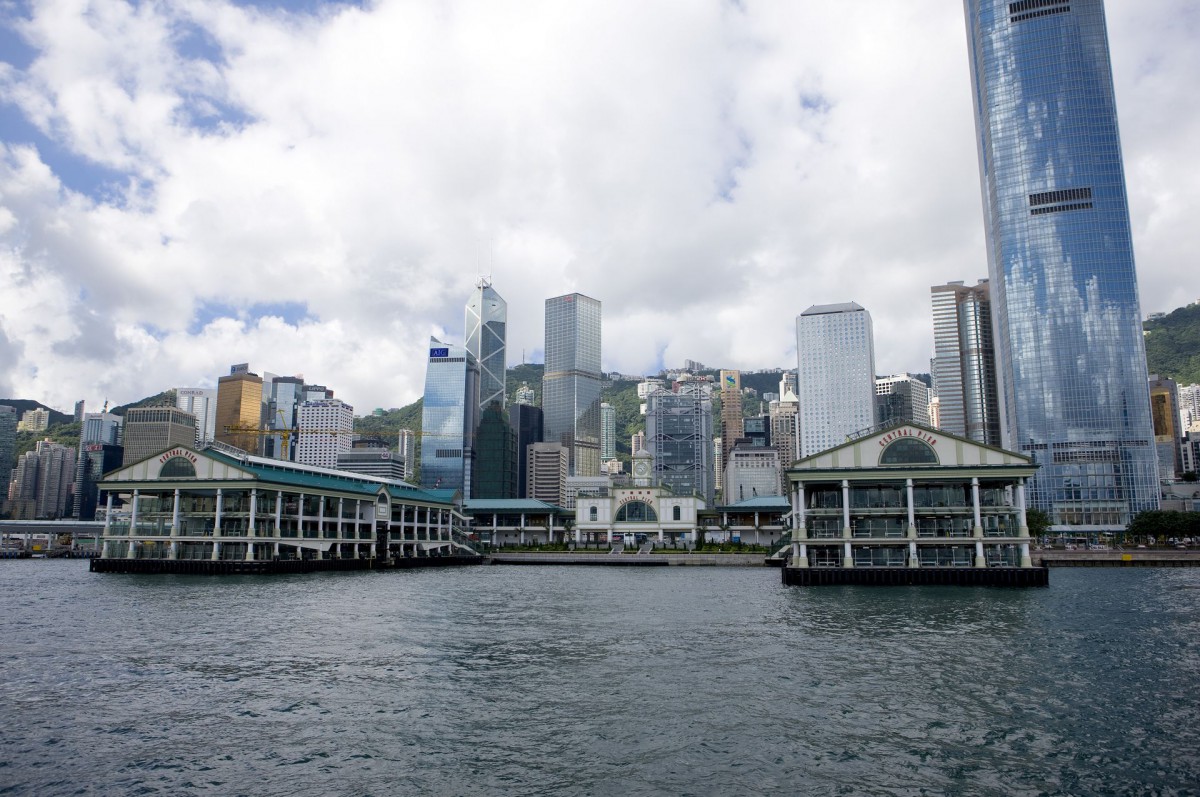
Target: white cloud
707,171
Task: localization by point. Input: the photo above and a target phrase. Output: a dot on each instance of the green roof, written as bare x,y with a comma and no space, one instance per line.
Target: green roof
509,505
773,502
329,481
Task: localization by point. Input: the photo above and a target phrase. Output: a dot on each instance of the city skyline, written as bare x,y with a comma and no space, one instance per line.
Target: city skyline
164,213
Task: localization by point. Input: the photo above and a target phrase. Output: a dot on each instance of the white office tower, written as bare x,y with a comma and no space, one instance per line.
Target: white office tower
783,415
325,430
201,402
608,432
835,352
486,335
1189,408
406,446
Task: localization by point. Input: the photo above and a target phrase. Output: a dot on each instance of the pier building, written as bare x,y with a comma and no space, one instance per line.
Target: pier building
909,496
208,505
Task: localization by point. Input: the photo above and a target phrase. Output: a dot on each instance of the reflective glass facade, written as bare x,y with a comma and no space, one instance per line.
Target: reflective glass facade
449,418
1064,292
679,435
486,326
571,384
964,362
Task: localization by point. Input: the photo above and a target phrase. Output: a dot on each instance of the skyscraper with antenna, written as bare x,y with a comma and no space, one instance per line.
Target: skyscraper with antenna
486,338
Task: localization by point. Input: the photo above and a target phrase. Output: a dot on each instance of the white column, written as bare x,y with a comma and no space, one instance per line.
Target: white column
104,547
253,509
174,550
912,510
132,526
321,518
848,557
175,517
216,554
300,516
1022,522
217,521
278,516
979,560
1023,525
846,509
912,554
340,522
799,528
975,506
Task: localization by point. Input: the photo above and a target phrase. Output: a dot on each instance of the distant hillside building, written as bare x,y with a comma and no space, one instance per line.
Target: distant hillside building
8,443
34,420
41,483
152,430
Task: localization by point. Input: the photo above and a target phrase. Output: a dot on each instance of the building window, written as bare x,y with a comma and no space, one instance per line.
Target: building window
637,512
675,513
592,513
908,451
177,468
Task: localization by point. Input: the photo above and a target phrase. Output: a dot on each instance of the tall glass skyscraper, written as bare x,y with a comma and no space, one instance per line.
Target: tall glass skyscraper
449,418
486,335
1064,292
964,362
571,383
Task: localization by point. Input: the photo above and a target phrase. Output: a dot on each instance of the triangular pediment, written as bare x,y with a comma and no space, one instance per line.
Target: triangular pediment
911,445
205,466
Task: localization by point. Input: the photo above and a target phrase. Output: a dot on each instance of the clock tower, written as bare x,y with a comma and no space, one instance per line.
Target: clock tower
643,466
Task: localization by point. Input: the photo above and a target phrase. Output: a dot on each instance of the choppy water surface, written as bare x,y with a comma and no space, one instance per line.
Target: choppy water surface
594,681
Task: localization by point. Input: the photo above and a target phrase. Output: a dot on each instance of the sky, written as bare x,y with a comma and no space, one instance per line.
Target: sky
315,188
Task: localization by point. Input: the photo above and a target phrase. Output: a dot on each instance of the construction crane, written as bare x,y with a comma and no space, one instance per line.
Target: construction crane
242,430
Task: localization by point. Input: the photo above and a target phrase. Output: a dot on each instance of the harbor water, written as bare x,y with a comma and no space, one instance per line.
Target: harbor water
573,680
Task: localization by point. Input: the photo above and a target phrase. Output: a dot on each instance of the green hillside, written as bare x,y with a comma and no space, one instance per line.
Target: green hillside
1173,345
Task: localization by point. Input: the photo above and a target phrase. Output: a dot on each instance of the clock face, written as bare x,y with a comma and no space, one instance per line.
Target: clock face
641,468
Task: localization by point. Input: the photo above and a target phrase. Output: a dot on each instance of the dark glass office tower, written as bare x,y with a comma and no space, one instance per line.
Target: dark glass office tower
571,383
1068,328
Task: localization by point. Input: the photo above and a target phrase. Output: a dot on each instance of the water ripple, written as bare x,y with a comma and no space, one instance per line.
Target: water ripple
593,682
